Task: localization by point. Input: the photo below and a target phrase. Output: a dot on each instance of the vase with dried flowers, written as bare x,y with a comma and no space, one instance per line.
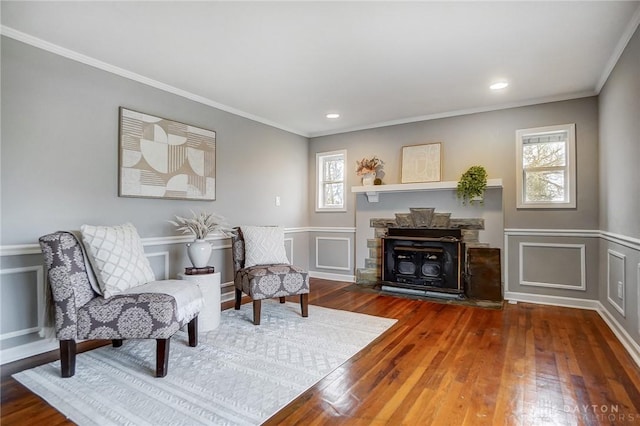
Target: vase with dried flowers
200,225
368,168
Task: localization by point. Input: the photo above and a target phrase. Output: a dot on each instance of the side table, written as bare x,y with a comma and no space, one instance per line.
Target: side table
209,284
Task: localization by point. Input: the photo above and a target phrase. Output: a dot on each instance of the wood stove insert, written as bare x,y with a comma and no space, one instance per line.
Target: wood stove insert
423,261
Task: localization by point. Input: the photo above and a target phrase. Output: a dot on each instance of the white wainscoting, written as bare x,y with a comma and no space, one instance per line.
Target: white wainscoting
43,345
513,232
39,271
621,273
629,343
166,261
34,348
290,255
347,253
582,265
24,249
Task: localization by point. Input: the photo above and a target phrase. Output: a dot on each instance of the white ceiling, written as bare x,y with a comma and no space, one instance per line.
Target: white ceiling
289,63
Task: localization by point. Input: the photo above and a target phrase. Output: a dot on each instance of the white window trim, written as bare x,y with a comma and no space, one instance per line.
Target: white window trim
571,181
319,181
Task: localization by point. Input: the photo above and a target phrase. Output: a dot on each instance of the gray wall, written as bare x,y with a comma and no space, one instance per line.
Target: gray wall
620,190
487,139
620,145
598,243
60,153
59,168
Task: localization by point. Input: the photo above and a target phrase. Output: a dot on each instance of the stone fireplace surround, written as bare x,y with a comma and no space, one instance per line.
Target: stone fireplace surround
426,218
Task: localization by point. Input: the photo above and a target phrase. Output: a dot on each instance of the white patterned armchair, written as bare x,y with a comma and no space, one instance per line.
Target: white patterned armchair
267,280
153,311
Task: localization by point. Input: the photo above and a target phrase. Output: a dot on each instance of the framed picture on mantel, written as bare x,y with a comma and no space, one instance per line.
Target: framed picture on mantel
421,163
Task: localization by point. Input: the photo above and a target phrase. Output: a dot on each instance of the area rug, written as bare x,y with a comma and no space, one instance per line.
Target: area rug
238,374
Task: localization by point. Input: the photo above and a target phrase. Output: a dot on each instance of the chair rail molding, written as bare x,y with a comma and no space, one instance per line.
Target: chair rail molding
517,232
34,248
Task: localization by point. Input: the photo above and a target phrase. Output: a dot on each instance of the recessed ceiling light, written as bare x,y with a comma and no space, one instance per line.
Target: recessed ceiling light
333,115
498,85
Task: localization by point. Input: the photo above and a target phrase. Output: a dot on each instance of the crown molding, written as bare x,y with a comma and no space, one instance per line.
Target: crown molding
87,60
617,52
456,113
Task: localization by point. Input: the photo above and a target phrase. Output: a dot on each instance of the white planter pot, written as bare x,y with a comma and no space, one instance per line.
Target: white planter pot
368,179
199,253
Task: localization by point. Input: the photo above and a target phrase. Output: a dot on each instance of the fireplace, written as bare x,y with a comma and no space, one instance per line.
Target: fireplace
423,261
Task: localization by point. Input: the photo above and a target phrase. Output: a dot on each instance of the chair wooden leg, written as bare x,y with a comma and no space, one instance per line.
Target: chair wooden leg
282,299
192,329
238,299
67,358
162,357
304,304
116,343
256,311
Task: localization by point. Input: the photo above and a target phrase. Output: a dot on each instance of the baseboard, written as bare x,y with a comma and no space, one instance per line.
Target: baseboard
27,350
623,336
332,277
541,299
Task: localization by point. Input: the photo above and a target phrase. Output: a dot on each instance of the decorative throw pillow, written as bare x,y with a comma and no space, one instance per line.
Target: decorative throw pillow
93,279
263,245
117,257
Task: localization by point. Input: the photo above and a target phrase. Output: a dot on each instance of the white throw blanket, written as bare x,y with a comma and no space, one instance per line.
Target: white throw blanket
187,294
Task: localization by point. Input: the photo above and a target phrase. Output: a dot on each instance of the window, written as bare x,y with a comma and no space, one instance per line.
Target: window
546,167
331,181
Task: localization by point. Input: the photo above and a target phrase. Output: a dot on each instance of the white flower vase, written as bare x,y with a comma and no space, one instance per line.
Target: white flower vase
199,253
368,179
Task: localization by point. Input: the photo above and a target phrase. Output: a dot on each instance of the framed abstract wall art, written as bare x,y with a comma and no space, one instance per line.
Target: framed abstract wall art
160,158
421,163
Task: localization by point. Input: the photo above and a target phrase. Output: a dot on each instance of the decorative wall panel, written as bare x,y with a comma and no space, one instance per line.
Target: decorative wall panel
555,265
616,282
333,253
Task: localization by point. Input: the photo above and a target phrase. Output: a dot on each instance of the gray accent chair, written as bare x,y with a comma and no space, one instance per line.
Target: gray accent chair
267,281
80,313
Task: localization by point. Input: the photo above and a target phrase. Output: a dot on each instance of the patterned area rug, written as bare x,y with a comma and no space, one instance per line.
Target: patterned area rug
238,373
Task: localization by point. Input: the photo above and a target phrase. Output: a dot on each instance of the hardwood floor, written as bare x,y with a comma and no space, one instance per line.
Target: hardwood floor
444,364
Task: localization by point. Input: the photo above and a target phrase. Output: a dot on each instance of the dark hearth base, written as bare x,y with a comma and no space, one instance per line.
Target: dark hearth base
377,289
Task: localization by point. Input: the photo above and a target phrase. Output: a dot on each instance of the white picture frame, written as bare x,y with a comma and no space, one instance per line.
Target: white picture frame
161,158
422,163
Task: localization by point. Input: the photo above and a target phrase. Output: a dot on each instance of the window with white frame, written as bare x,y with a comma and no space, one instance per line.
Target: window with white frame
331,181
546,167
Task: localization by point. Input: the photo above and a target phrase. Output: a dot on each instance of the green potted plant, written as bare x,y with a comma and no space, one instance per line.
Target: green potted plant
472,185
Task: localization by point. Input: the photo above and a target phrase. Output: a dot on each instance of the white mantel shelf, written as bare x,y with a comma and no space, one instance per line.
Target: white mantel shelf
373,191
